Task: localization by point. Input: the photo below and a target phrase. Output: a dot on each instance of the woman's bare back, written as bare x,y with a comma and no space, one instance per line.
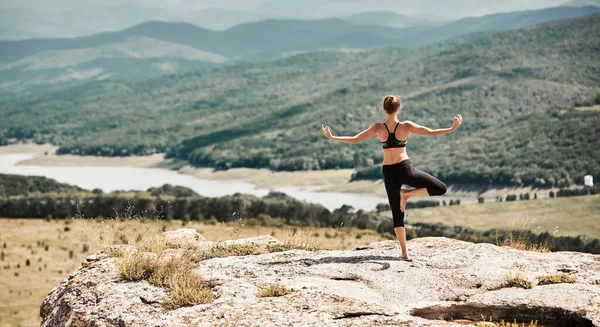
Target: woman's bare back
393,155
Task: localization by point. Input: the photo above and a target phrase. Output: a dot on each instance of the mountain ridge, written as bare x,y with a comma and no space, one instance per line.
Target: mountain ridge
204,39
385,18
256,41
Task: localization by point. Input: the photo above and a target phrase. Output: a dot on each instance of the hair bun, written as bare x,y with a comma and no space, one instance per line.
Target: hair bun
391,104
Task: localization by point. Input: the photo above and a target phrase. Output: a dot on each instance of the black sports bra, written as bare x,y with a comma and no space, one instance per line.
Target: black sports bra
392,141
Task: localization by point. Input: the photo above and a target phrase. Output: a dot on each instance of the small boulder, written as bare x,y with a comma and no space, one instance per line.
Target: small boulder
183,237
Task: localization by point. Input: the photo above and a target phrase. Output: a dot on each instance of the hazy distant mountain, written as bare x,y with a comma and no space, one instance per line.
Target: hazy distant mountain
134,58
583,3
18,24
155,48
385,18
271,37
221,19
498,22
136,47
448,10
25,19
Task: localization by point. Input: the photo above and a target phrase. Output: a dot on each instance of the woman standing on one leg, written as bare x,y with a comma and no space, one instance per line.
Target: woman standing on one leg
397,169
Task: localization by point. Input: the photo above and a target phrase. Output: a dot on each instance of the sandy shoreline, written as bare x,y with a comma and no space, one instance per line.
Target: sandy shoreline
28,148
45,156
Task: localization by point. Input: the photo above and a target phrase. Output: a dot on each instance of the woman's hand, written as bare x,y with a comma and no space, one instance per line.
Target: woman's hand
326,131
457,122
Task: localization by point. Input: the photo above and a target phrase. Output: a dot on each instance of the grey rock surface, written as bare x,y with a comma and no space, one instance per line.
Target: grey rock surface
370,286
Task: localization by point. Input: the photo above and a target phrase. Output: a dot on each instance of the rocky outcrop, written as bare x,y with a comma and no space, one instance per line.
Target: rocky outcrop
370,286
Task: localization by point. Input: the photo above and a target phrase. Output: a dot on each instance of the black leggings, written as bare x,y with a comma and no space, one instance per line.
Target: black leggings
404,173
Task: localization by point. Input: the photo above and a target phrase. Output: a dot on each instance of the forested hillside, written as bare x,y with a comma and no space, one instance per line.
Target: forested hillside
541,149
24,185
268,114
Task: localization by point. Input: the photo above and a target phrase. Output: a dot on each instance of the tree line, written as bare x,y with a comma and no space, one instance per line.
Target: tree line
578,192
274,208
274,205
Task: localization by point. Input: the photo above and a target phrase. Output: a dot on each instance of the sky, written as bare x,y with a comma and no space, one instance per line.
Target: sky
166,4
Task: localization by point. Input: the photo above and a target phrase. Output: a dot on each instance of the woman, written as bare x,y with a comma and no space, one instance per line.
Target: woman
397,169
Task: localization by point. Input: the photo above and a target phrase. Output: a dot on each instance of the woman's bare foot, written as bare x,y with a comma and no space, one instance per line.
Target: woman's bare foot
405,258
403,198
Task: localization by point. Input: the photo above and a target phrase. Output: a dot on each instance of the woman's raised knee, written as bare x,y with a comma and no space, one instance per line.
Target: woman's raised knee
443,189
438,190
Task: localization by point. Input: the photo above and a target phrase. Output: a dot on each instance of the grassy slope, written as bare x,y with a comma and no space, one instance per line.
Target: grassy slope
268,114
572,216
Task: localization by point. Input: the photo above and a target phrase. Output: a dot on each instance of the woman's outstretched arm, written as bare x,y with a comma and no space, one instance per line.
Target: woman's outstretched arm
362,136
426,131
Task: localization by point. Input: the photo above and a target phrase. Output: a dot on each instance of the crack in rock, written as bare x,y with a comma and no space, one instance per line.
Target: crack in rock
148,301
346,315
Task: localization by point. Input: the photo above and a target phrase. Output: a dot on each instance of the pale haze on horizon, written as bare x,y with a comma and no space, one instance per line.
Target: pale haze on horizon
438,8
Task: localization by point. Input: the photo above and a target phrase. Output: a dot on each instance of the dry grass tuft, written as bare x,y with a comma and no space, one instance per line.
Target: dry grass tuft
518,237
156,244
188,289
295,240
507,324
233,250
290,246
101,233
166,268
175,274
221,251
127,227
516,280
539,248
135,266
274,290
300,239
556,279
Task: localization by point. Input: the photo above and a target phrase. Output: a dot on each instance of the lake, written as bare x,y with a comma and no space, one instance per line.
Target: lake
110,179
